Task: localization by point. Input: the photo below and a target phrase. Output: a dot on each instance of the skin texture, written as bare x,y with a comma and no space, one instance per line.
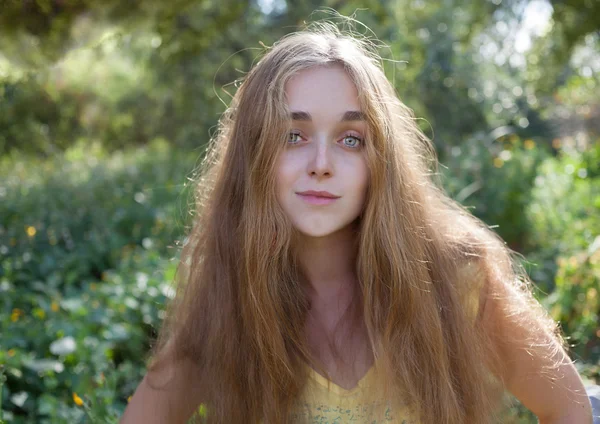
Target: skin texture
323,153
326,153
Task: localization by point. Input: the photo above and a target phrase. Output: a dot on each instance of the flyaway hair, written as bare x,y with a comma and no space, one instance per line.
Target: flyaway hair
427,269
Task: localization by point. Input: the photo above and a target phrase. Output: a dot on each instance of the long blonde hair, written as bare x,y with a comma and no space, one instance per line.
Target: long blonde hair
424,266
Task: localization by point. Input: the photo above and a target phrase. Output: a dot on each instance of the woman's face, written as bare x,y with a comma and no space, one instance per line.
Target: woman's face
324,152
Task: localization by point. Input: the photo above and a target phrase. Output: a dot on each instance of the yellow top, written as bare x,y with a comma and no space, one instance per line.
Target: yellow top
325,402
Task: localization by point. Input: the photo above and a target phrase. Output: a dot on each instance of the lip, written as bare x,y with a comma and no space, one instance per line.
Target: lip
318,197
318,194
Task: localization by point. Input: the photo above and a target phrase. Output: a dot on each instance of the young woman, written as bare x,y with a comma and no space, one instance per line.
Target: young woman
327,278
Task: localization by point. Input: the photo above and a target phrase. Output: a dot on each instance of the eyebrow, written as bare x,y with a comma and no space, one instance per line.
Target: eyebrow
351,115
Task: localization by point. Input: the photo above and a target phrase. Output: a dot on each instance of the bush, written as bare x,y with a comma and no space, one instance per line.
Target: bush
84,277
82,347
576,303
565,245
494,179
563,211
64,221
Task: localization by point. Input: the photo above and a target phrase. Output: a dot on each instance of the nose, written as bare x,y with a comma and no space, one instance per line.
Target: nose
321,163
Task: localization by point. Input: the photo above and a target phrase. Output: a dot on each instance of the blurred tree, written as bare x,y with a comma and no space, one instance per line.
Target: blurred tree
573,20
170,54
451,61
35,33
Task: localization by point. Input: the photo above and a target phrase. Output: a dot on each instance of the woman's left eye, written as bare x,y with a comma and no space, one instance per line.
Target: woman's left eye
355,141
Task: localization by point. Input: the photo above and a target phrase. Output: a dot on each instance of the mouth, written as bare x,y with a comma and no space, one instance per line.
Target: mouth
317,200
317,193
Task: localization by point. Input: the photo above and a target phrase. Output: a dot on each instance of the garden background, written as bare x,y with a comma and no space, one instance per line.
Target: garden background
105,110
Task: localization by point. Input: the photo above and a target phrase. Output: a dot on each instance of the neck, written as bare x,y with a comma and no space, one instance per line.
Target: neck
329,267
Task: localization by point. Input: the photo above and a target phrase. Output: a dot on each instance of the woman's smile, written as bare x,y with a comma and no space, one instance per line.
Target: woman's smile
317,200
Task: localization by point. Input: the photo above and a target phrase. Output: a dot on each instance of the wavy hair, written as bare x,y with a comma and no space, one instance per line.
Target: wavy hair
426,267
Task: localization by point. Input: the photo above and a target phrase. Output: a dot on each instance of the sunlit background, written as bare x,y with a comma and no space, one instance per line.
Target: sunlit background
105,110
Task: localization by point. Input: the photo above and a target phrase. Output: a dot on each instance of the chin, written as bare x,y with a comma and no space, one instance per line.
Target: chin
317,231
314,233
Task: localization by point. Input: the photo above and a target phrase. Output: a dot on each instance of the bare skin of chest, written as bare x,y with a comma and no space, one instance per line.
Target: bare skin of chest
348,360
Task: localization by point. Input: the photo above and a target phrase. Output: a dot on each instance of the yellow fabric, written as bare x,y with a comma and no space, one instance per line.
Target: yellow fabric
325,402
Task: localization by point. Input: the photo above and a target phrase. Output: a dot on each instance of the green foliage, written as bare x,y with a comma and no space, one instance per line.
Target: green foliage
124,200
82,347
566,245
471,174
84,276
574,20
27,109
437,67
563,211
40,32
169,62
576,302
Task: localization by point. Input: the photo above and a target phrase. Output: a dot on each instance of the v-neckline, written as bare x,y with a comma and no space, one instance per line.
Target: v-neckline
337,388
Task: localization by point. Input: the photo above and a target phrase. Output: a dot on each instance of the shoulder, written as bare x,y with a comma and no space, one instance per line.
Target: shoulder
168,393
533,362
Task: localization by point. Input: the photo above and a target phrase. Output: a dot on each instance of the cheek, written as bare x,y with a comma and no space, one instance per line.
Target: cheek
363,178
363,190
284,176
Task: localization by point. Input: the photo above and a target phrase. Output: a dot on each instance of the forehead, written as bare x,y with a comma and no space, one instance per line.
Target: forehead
322,89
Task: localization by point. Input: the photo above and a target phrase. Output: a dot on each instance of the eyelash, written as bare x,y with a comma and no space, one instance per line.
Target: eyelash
360,139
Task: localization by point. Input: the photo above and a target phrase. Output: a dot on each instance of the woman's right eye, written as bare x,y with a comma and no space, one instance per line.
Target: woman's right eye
294,137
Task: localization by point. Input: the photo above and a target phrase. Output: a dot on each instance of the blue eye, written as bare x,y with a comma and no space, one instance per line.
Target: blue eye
357,140
294,137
